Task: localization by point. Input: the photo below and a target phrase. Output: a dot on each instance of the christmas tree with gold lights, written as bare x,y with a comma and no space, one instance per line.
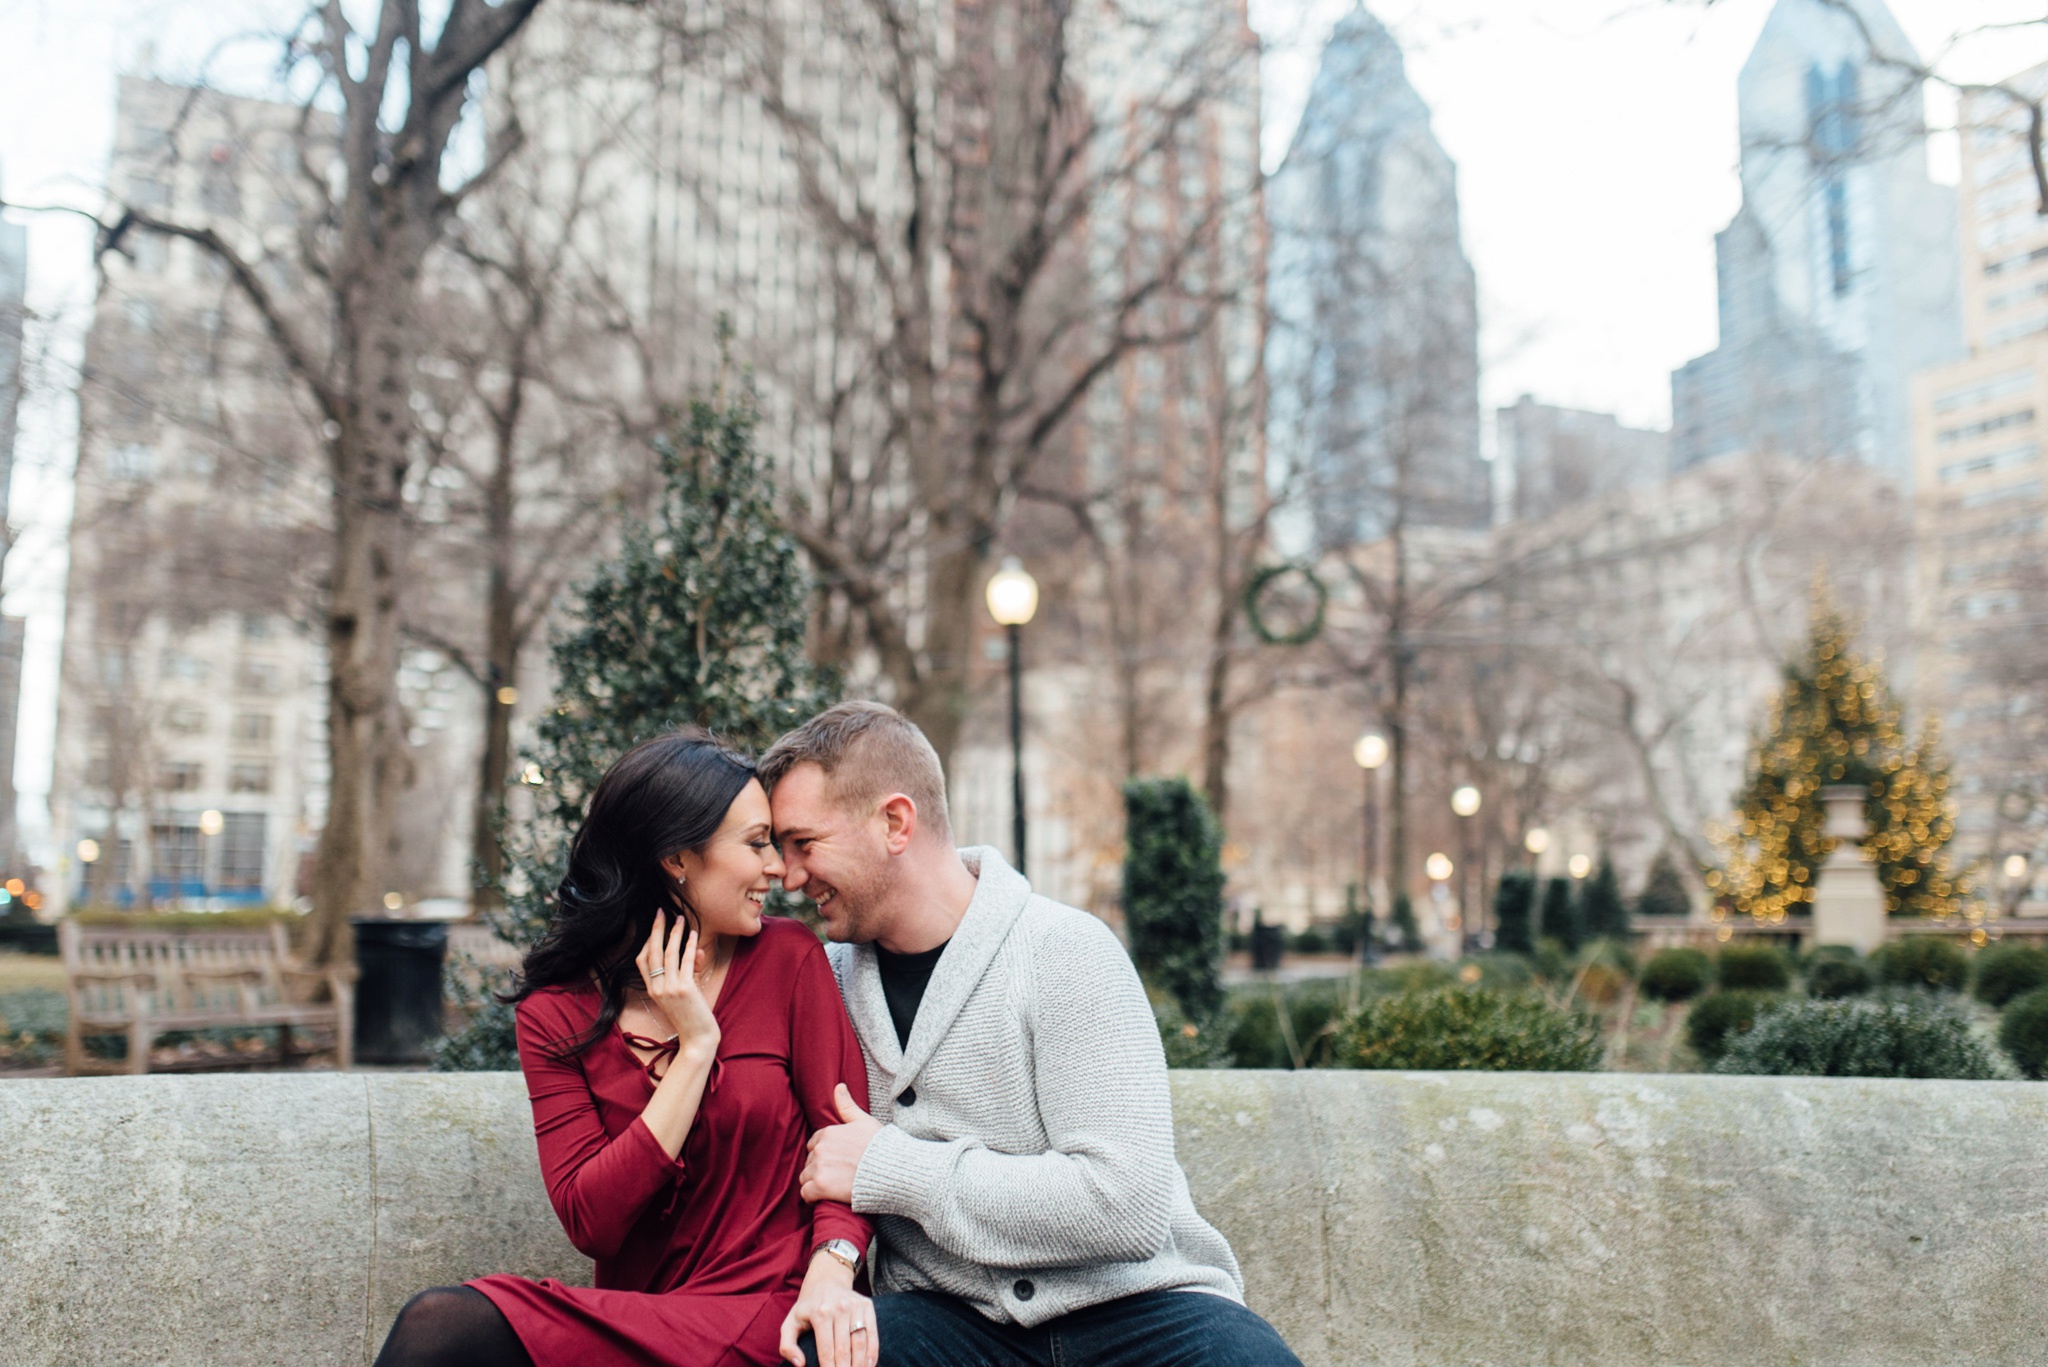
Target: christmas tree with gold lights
1834,722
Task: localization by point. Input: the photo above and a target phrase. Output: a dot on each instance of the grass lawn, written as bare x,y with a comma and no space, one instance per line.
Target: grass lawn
21,971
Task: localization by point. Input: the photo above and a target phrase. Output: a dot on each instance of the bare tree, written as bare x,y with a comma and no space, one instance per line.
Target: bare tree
381,189
963,190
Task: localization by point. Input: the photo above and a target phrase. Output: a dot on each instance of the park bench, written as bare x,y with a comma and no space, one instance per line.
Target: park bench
146,983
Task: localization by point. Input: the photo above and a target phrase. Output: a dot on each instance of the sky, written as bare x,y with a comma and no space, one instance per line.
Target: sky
1595,141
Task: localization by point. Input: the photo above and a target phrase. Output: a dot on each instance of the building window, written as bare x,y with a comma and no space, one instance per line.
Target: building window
150,252
132,462
1833,134
2020,417
241,850
219,192
177,858
249,778
255,626
180,776
186,720
178,664
99,771
148,192
257,676
253,728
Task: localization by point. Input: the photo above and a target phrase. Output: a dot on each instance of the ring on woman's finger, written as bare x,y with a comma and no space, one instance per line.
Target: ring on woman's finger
657,972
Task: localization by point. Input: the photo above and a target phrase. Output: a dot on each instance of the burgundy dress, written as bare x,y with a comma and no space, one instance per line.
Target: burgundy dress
699,1257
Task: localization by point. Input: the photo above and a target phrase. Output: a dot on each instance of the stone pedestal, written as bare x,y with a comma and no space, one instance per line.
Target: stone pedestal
1848,903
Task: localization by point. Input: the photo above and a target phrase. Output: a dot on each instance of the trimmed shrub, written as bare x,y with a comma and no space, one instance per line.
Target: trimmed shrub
1499,970
1253,1037
1676,975
1173,891
1911,1035
1310,941
1187,1044
2008,971
1559,919
1421,975
1404,923
1759,968
1514,912
1718,1015
1834,976
1468,1028
2023,1033
1922,961
1601,910
1664,892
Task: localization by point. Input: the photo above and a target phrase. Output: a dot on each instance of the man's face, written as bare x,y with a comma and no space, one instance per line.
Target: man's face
837,858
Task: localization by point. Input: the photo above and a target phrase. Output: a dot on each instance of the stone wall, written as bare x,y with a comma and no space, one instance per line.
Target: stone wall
1476,1218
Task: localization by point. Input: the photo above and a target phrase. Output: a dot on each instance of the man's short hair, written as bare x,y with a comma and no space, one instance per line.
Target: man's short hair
868,751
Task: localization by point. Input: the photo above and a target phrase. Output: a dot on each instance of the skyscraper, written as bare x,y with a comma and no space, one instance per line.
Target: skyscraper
1982,544
1373,359
1837,278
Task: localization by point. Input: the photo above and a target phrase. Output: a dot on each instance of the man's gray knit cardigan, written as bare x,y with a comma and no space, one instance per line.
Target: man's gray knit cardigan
1033,1172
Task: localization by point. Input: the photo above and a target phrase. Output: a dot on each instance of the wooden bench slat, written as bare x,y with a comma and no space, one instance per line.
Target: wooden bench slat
146,983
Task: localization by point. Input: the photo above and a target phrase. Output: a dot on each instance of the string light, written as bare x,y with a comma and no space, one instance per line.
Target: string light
1835,722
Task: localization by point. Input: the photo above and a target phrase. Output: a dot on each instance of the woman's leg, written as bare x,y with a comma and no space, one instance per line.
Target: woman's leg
452,1326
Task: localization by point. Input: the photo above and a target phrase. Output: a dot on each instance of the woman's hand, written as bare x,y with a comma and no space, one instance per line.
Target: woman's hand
839,1317
669,964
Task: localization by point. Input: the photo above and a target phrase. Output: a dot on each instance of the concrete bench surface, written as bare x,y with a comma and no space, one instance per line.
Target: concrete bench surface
1383,1218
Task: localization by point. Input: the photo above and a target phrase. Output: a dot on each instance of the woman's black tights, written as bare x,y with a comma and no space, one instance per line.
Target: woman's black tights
452,1326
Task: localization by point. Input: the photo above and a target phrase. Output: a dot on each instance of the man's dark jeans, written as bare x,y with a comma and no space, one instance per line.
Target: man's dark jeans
1156,1329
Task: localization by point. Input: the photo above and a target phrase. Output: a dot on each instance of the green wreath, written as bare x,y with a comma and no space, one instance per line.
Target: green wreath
1255,589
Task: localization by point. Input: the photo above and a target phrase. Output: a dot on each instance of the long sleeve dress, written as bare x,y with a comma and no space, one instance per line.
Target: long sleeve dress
699,1257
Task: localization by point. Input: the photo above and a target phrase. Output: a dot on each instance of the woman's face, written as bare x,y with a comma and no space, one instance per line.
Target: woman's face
728,879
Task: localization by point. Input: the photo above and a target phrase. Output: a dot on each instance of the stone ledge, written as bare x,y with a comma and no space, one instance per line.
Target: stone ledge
1411,1219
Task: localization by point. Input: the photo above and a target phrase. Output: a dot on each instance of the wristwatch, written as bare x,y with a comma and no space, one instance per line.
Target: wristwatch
845,1250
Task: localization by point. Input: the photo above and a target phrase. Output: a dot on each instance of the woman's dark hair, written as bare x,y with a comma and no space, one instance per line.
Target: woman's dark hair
662,797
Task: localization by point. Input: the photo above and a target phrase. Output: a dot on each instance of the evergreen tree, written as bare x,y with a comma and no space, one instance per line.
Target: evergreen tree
1664,891
1173,891
1354,932
1514,912
1602,913
700,618
1834,722
1559,918
1404,923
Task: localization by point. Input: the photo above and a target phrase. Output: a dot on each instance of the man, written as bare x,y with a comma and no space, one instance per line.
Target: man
1019,1163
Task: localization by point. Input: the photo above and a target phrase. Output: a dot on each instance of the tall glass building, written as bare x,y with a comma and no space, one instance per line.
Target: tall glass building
1373,356
1837,278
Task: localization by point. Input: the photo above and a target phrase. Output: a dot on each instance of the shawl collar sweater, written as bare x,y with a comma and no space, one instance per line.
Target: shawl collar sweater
1025,1162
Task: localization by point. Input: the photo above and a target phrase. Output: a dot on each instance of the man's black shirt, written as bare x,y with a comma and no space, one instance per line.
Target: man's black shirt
903,982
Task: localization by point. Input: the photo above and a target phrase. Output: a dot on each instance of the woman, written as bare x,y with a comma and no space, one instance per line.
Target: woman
679,1051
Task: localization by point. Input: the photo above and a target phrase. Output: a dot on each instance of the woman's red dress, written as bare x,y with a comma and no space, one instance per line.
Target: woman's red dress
699,1257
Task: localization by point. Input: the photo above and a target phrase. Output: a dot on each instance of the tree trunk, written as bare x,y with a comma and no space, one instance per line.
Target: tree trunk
501,661
370,459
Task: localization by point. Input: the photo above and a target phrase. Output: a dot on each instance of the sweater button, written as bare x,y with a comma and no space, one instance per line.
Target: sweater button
909,1097
1024,1289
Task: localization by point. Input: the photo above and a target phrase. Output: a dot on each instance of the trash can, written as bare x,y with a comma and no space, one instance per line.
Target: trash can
1266,945
398,989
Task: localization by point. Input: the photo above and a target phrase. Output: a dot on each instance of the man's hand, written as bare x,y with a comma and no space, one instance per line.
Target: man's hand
836,1150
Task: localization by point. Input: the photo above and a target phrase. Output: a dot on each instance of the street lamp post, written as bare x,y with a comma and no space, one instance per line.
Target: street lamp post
1369,752
1013,602
211,823
1466,802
